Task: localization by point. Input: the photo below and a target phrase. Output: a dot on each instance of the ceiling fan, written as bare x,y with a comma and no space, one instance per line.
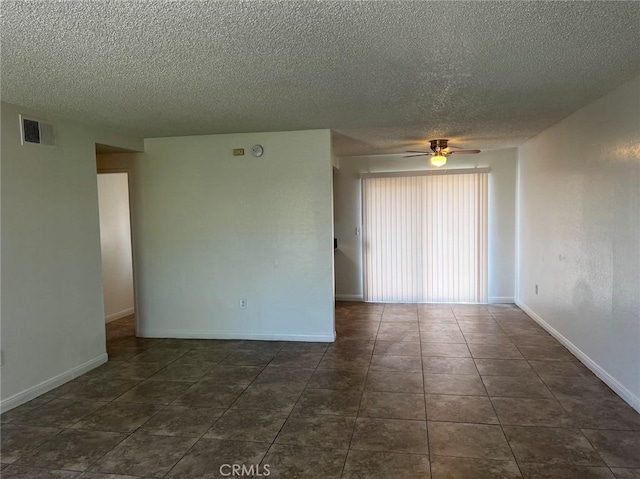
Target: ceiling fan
440,150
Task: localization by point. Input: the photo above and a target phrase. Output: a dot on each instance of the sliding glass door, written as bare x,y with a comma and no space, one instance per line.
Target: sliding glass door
425,238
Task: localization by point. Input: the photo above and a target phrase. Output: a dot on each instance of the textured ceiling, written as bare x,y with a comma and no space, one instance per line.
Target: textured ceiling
384,75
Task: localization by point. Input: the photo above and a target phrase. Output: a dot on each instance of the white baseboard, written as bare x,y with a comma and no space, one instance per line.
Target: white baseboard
607,378
173,333
46,386
349,297
502,300
119,314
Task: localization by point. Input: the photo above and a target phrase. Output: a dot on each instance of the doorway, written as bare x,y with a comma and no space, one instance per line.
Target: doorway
116,248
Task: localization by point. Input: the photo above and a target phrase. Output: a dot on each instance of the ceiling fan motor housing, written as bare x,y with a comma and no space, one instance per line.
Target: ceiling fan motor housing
438,145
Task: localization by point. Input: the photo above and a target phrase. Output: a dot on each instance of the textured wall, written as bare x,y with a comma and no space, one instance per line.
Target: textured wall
210,228
52,308
579,233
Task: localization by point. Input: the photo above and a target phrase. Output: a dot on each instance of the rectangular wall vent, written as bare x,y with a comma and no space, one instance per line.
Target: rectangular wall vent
37,132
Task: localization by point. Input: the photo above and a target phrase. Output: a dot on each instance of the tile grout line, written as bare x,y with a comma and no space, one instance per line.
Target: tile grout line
364,385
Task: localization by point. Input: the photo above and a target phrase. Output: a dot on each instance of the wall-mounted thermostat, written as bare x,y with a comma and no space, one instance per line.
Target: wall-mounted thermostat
257,150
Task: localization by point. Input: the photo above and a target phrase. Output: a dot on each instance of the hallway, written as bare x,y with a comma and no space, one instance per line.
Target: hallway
411,391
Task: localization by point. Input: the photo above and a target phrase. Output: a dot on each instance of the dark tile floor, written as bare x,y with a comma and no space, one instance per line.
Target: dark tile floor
407,391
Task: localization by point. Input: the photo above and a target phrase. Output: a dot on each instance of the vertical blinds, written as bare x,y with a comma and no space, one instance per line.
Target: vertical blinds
425,238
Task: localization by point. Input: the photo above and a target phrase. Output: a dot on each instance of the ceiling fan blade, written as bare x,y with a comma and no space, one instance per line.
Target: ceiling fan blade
414,151
464,152
421,154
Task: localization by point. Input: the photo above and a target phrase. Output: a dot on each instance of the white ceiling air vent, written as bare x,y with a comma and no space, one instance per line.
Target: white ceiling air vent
37,132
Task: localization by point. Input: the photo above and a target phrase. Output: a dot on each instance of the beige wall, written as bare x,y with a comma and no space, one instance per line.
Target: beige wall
579,235
502,195
52,309
210,228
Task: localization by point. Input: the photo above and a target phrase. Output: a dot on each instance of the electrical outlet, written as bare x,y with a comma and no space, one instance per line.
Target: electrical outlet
536,289
243,303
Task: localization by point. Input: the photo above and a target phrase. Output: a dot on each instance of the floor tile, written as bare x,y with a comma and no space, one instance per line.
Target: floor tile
143,455
617,448
481,441
516,387
182,372
396,382
283,376
551,446
155,392
209,456
17,440
207,393
338,379
531,412
288,462
602,414
267,398
181,421
297,359
392,435
467,468
132,370
159,355
557,353
247,425
357,361
469,409
98,389
554,471
395,363
397,348
307,347
432,365
60,413
494,351
565,369
487,338
29,406
72,449
624,473
118,417
25,472
262,346
591,389
504,367
232,375
317,431
392,405
385,465
328,401
442,337
456,384
249,358
445,350
350,346
203,357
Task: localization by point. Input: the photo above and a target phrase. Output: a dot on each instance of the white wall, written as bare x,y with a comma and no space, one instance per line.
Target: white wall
52,308
115,240
210,228
579,234
502,196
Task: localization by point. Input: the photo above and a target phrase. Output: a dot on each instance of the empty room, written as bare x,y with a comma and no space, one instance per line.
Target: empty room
320,239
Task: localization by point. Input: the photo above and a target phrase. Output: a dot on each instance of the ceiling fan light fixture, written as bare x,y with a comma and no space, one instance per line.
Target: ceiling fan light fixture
438,160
